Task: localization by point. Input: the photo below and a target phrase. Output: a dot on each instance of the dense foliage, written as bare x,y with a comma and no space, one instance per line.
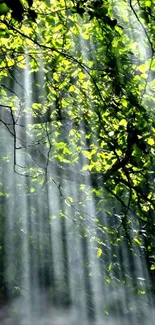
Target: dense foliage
77,97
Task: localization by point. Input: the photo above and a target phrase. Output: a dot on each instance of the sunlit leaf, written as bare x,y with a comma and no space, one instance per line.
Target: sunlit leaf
110,267
137,241
32,190
150,141
99,252
106,311
148,3
123,122
81,75
71,88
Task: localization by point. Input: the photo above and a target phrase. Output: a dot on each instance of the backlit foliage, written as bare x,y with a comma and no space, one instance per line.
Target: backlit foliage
87,108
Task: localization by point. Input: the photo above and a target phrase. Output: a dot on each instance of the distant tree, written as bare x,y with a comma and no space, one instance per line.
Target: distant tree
77,96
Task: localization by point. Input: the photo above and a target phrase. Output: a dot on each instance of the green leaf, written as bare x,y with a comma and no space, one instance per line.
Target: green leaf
108,280
97,192
106,311
124,103
81,75
143,68
137,241
141,292
3,9
150,141
99,252
148,3
123,122
71,88
32,190
4,33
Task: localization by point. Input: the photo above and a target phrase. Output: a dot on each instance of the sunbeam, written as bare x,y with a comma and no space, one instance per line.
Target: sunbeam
77,162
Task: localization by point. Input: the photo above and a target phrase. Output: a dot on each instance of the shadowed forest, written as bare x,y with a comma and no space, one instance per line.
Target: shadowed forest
77,162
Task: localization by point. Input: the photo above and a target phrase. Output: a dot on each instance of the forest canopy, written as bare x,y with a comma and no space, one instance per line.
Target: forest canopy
77,99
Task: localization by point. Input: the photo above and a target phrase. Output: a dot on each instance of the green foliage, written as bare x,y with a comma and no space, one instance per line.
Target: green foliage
3,9
17,9
91,114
